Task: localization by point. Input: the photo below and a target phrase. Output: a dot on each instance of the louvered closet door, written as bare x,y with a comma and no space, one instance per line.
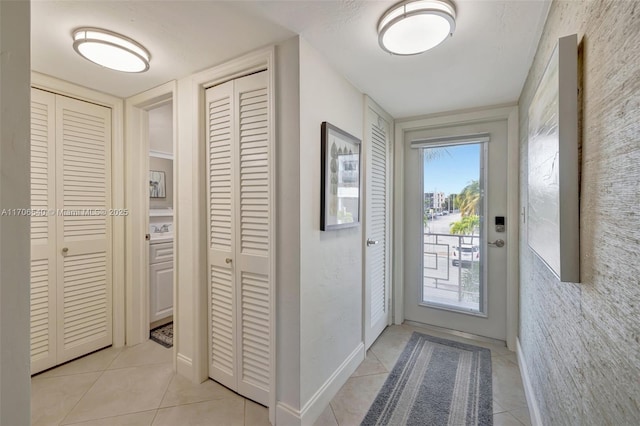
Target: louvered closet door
43,242
83,182
252,235
377,260
238,152
221,235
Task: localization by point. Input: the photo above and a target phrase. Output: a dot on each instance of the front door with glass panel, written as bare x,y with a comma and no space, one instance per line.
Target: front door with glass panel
455,195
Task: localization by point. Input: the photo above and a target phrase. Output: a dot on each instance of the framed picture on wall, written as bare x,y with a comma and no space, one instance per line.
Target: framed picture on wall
157,184
340,180
553,184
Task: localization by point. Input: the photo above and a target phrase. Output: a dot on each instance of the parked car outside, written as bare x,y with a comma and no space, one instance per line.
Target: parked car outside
465,255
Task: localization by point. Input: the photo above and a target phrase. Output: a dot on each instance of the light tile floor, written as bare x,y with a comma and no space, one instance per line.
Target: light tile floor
352,402
136,386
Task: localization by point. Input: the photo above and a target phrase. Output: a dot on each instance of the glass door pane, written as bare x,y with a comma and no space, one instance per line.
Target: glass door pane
452,193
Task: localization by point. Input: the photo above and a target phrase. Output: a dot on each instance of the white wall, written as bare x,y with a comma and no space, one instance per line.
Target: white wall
14,230
161,128
288,223
331,261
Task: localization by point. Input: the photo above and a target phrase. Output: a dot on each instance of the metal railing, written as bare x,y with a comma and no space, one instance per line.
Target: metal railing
438,261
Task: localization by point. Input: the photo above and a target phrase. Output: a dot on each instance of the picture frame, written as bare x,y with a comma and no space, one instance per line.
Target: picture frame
553,181
157,182
340,180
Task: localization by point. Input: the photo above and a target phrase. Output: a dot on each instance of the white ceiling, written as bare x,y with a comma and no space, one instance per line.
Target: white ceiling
484,63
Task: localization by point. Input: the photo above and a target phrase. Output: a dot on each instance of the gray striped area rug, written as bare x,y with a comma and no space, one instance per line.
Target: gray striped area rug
436,382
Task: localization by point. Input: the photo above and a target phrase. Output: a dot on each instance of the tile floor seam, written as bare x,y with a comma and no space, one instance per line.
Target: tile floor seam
199,401
139,365
120,350
333,413
155,415
61,422
107,417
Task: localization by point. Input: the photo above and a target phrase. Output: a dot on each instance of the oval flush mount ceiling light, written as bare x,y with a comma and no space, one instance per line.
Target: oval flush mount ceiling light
111,50
415,26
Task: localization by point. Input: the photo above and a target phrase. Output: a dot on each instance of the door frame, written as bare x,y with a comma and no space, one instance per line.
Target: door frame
137,199
52,84
509,113
192,356
371,104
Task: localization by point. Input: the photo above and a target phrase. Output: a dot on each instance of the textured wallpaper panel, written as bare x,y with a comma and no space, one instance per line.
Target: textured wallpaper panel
582,341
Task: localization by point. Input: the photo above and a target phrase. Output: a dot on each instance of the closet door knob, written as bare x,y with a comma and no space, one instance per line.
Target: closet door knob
65,250
228,260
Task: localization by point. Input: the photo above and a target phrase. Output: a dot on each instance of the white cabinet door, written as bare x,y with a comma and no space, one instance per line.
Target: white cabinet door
161,290
238,183
71,313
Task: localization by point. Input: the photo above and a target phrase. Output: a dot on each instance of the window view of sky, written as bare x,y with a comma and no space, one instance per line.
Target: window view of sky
452,169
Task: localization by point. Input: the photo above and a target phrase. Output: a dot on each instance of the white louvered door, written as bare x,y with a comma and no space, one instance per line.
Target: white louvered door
43,241
378,210
239,170
83,189
222,293
71,312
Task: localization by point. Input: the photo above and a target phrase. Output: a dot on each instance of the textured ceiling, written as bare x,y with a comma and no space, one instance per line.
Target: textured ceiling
484,63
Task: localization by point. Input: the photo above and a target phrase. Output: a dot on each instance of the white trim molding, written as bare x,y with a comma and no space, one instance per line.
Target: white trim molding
160,154
137,248
191,187
52,84
313,408
509,113
532,402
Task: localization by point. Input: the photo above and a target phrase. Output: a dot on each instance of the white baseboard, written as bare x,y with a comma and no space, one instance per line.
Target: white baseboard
288,416
184,366
534,410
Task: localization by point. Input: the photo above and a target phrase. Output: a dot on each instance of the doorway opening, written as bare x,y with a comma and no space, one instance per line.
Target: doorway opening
160,222
452,213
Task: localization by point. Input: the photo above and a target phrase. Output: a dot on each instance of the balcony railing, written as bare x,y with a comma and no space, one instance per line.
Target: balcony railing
450,274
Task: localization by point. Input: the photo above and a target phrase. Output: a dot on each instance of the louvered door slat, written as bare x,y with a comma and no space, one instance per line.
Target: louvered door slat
253,213
43,241
377,225
83,184
222,337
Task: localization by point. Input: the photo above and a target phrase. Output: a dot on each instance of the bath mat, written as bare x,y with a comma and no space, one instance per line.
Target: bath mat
163,335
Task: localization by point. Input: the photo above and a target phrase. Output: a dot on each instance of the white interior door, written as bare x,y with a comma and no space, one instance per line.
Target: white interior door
83,227
221,223
239,159
43,231
71,292
253,237
453,277
377,225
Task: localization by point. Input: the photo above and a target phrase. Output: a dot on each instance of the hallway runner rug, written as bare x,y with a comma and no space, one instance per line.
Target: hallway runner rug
436,382
163,335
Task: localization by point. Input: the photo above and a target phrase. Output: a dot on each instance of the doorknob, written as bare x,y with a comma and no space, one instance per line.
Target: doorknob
65,250
371,242
228,260
496,243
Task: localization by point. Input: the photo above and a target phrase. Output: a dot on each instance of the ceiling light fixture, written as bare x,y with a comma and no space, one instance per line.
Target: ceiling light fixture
415,26
111,50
